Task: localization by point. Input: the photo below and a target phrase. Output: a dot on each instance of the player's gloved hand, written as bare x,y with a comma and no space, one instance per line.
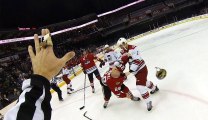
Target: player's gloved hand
129,95
124,75
130,59
103,82
102,63
84,72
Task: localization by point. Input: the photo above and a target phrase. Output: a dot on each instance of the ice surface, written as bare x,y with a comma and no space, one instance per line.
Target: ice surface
183,51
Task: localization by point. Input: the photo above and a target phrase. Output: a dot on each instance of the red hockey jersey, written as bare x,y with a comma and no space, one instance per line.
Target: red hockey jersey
130,47
115,84
88,63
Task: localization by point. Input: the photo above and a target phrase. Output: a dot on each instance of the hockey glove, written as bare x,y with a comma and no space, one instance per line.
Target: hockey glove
102,63
84,72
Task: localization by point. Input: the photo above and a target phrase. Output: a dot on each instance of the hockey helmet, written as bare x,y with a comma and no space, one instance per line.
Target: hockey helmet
106,46
121,41
161,73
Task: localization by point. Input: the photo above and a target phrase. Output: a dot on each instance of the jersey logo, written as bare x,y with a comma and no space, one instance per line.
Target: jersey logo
117,83
87,62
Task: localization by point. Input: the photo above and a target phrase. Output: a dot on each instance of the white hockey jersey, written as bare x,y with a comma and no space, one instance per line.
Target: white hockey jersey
65,71
111,57
136,63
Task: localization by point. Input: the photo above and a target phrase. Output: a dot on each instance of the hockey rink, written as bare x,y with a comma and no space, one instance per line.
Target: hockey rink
183,51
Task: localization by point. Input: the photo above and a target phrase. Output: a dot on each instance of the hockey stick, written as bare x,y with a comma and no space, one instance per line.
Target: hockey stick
80,89
84,93
86,116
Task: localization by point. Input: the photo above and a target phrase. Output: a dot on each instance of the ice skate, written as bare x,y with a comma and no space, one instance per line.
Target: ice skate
61,99
70,90
149,106
155,90
135,98
105,104
93,90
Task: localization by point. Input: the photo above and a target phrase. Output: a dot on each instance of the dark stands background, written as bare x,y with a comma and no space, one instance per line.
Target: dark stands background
38,13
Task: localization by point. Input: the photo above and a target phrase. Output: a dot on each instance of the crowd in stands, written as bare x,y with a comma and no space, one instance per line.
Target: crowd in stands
12,74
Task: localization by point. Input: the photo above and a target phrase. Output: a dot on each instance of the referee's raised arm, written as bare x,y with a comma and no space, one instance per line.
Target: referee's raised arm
34,101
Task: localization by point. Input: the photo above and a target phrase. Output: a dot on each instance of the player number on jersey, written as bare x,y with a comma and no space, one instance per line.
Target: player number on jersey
117,88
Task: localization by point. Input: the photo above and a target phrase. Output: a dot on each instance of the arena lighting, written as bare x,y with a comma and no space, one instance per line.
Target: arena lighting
54,33
120,8
72,28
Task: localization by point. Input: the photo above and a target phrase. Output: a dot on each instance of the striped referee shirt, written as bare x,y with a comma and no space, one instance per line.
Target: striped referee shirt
34,101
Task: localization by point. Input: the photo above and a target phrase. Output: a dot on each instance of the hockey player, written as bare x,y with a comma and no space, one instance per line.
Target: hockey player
89,67
114,79
65,73
55,87
120,65
110,56
139,69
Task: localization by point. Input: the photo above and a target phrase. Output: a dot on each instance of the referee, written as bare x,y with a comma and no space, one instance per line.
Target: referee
34,101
